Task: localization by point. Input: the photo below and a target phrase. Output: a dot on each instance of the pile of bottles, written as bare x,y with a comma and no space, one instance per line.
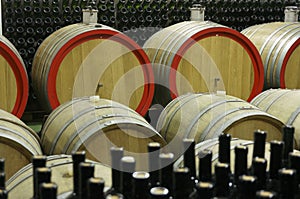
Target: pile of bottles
189,181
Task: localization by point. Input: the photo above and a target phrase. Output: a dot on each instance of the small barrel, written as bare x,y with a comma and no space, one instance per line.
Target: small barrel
14,86
195,56
61,173
205,116
278,45
18,143
213,145
82,60
95,125
283,104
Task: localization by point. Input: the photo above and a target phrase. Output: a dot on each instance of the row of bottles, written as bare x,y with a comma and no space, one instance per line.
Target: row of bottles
281,180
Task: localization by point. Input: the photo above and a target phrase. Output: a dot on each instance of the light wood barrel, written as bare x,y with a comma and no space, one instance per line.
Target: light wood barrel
194,56
283,104
82,60
278,44
206,116
21,184
96,126
14,84
18,143
213,145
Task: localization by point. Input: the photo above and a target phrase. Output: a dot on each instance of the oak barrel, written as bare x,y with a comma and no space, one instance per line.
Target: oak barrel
283,104
18,143
204,116
82,60
213,145
278,45
195,56
14,84
20,185
95,125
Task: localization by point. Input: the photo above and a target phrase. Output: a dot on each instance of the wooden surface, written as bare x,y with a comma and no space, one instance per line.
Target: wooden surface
18,143
61,174
273,40
101,66
206,116
282,103
207,60
80,125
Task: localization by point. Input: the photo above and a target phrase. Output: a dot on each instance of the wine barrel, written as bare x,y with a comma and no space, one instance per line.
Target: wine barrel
61,174
213,145
205,116
14,84
82,60
278,45
95,125
195,56
18,143
283,104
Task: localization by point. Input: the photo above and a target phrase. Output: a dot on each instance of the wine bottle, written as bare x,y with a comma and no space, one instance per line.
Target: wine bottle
166,172
205,190
86,171
222,178
224,148
288,139
95,188
38,161
2,180
159,193
116,156
48,190
247,187
182,183
153,156
2,164
294,162
259,167
205,166
288,183
127,167
259,144
189,156
140,181
41,175
240,163
77,158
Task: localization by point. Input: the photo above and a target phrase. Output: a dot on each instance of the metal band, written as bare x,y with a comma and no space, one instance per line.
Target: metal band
205,110
217,119
293,116
275,99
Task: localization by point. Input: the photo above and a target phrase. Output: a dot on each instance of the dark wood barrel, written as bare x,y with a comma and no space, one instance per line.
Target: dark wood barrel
82,60
279,46
283,104
195,56
95,125
18,143
204,116
20,185
14,86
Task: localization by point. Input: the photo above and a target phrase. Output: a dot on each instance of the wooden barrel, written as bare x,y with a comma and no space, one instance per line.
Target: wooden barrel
206,116
195,56
213,145
18,143
14,84
278,44
283,104
82,60
95,126
61,174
